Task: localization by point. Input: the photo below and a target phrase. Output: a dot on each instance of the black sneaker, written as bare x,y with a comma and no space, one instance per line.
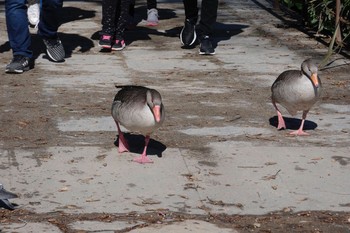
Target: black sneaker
206,47
18,65
119,44
105,41
54,49
188,33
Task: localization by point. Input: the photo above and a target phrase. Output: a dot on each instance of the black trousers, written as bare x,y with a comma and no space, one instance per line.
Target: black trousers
115,14
209,11
151,4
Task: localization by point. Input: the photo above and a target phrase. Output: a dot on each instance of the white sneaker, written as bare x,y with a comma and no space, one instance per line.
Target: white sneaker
33,13
152,17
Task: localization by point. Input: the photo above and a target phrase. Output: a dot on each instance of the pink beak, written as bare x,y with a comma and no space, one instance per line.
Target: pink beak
156,112
314,79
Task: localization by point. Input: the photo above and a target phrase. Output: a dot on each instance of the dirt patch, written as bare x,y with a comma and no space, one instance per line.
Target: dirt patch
285,221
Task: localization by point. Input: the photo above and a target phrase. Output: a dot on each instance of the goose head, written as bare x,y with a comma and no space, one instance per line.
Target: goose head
309,68
154,102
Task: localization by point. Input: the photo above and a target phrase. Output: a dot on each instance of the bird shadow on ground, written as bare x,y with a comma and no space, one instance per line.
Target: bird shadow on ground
137,142
293,123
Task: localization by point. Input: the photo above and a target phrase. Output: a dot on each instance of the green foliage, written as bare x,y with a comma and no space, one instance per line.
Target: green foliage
294,4
321,15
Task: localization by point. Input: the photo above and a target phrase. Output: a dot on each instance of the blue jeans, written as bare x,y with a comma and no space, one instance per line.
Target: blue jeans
17,24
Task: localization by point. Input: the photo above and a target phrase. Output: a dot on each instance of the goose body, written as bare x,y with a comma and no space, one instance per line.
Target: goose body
296,90
139,109
4,196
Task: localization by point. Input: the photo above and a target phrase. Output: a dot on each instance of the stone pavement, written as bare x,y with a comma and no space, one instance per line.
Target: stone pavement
235,177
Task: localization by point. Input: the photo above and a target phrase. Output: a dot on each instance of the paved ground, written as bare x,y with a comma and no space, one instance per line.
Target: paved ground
218,151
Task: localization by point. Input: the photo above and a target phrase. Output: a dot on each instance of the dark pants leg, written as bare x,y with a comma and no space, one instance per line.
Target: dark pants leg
122,17
115,14
151,4
191,9
209,11
109,9
17,27
50,18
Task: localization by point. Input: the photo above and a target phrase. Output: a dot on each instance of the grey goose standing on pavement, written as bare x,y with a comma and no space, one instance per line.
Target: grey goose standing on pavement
139,109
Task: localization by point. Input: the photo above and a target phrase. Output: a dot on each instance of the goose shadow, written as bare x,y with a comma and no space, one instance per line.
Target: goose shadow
137,142
293,123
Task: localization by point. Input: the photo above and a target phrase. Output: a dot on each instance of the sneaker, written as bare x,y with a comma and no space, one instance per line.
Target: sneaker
105,41
54,49
152,17
33,13
119,44
188,33
18,65
206,47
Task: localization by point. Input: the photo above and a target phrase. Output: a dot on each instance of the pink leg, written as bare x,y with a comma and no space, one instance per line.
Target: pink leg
281,124
300,131
144,158
123,145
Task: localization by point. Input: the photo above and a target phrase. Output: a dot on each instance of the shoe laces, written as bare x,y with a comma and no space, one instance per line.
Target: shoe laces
153,11
53,42
17,58
121,41
106,37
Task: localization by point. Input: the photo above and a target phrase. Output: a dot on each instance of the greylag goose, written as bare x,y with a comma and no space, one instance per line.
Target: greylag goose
4,196
296,91
139,109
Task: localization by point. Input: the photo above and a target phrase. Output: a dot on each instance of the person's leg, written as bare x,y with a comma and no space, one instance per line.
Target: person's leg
188,34
17,27
48,27
151,4
205,27
208,17
109,8
121,23
132,8
50,18
152,13
191,9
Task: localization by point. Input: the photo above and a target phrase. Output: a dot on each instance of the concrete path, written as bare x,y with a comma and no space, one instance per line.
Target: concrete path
228,176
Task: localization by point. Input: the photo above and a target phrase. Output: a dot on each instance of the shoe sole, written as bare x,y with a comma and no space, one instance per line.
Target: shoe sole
206,53
52,58
151,23
192,42
8,71
105,46
118,49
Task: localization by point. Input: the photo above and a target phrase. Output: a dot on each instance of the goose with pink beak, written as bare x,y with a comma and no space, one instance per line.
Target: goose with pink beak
297,90
139,109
